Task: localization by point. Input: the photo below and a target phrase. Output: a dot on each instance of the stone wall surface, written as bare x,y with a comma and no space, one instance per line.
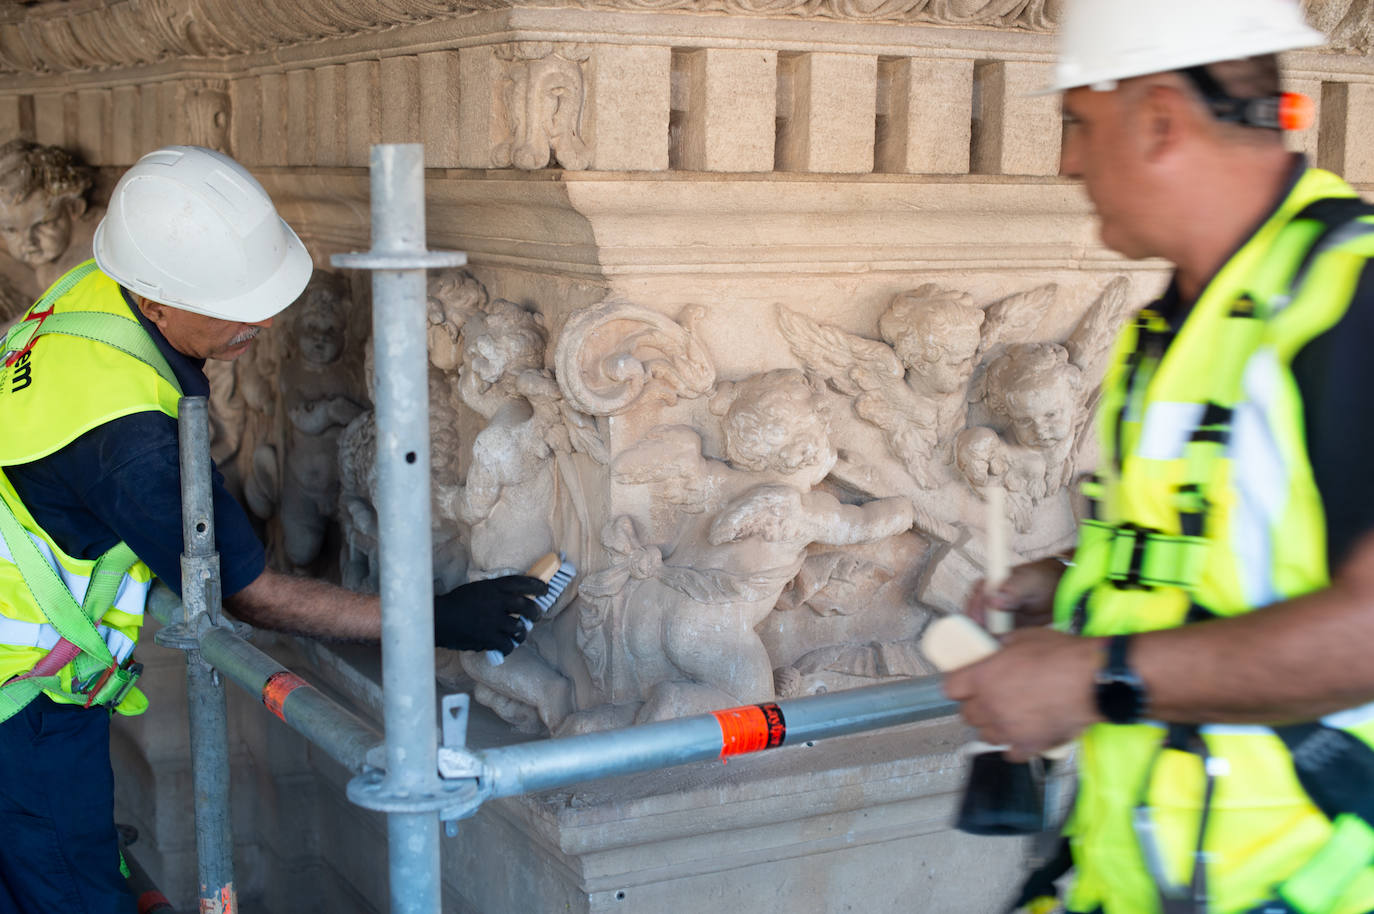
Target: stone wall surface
763,298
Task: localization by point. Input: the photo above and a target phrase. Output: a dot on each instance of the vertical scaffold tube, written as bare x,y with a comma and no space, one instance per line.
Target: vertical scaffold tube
403,515
205,693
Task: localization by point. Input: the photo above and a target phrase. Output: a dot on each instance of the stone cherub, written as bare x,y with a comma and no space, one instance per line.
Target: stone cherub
45,219
914,384
1040,395
739,532
317,403
509,501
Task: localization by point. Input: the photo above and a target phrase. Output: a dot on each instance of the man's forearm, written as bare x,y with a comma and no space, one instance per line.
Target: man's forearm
1296,660
306,606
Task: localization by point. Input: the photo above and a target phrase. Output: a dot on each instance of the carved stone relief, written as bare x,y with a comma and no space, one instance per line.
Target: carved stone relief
959,407
611,356
46,220
541,97
791,529
1348,23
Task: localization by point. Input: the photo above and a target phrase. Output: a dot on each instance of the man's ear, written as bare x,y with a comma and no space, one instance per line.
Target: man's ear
154,311
1165,114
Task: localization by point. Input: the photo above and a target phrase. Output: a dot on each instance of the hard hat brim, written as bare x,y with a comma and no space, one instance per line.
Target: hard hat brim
267,299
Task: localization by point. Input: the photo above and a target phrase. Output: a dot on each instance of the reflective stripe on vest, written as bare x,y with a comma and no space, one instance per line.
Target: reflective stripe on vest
14,633
130,599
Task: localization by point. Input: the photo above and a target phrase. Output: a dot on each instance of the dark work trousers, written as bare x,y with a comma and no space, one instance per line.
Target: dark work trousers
58,849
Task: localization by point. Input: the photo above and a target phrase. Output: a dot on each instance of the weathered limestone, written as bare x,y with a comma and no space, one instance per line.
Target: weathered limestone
725,103
925,111
1015,133
1349,118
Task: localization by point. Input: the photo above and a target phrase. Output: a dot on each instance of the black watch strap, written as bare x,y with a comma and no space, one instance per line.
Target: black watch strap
1119,692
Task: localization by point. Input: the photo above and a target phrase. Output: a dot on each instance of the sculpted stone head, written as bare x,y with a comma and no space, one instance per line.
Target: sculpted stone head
935,332
498,343
42,192
321,323
453,296
1035,388
773,422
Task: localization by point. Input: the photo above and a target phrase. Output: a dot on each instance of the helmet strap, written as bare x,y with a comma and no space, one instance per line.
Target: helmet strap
1245,112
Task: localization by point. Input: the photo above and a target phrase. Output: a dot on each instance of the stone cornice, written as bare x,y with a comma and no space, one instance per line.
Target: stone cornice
63,36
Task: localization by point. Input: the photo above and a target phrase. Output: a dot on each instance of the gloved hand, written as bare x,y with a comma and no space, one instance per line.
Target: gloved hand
485,615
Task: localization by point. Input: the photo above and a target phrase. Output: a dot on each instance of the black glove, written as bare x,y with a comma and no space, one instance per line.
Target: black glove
485,615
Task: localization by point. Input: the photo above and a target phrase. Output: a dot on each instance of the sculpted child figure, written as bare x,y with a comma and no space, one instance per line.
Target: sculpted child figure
742,528
508,497
913,385
45,220
1038,393
317,399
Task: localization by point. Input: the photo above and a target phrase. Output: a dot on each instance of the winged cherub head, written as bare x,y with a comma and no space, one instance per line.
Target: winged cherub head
774,422
935,332
1035,388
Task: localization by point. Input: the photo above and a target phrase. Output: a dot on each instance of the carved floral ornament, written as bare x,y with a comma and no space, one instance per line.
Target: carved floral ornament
540,98
58,37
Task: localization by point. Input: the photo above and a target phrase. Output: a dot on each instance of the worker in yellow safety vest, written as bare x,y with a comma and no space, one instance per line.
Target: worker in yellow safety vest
1211,632
191,263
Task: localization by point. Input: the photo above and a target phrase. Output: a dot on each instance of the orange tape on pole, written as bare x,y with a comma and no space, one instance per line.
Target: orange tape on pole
279,685
750,728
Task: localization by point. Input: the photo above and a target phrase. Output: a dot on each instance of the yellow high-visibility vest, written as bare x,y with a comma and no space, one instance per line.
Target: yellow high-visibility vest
1206,506
55,387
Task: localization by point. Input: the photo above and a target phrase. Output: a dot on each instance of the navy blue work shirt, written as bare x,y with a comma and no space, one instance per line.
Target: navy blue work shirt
122,481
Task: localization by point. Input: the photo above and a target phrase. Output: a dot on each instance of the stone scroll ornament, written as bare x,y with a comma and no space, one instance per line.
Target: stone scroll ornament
610,356
542,94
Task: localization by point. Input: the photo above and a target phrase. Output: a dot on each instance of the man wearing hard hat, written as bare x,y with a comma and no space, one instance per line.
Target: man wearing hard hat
191,263
1213,627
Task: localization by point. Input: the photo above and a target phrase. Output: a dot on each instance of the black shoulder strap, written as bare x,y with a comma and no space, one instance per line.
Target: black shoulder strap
1340,217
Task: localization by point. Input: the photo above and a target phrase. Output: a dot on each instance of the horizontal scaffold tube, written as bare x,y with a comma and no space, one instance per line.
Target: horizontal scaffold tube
530,767
344,736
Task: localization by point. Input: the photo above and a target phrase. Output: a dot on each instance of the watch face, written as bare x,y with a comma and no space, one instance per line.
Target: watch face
1120,699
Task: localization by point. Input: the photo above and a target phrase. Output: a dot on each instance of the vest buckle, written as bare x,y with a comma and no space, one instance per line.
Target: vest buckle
112,685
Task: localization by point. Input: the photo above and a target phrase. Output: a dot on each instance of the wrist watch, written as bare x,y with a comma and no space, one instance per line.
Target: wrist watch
1119,691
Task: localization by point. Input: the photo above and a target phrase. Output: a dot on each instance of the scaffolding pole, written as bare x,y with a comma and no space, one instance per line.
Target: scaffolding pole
207,717
546,764
411,790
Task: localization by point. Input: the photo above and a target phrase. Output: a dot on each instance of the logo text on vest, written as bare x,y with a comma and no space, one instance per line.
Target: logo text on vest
23,374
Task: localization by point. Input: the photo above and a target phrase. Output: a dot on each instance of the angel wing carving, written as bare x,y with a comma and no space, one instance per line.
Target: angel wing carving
1096,332
1014,317
851,364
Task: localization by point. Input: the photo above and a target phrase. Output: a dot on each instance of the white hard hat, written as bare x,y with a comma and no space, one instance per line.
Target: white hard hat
1102,41
191,228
